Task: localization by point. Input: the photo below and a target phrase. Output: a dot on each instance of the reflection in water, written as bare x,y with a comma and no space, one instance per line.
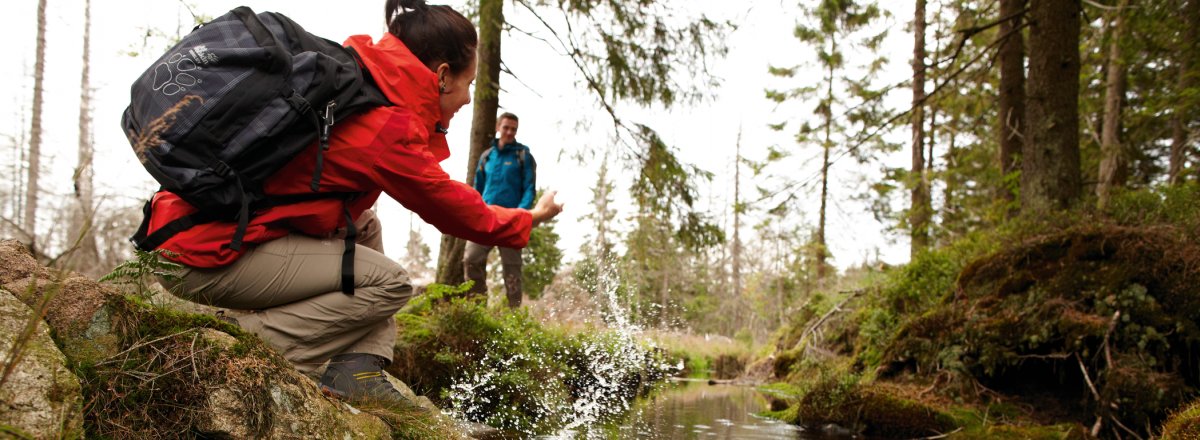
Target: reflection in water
696,410
693,410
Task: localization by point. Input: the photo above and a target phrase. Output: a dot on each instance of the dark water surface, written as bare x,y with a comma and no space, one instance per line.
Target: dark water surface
697,410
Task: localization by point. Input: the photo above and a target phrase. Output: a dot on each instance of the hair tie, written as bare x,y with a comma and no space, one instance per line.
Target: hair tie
415,6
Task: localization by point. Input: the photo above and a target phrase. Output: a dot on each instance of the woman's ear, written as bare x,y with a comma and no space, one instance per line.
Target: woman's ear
442,71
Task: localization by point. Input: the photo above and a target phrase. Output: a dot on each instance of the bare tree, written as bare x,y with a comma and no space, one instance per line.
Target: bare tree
35,131
737,221
80,232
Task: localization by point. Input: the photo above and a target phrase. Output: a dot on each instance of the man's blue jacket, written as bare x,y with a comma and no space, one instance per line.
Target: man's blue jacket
507,176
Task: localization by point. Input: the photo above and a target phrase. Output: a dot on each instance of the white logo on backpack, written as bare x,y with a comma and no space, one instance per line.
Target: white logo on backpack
171,77
202,56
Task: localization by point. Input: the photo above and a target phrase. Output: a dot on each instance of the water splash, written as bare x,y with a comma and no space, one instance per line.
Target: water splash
615,364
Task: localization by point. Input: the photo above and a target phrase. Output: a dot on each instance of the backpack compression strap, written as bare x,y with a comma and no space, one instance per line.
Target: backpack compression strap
146,243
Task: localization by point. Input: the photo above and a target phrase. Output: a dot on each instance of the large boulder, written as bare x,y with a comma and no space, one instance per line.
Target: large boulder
147,371
39,396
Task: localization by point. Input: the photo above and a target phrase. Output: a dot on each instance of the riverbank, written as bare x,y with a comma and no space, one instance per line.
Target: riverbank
1078,326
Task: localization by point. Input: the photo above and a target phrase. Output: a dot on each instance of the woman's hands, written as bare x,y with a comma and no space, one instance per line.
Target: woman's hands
545,208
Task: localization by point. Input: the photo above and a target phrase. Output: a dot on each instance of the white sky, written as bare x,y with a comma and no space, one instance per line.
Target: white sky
558,117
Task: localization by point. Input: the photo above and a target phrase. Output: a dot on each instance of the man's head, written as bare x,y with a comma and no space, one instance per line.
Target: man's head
506,126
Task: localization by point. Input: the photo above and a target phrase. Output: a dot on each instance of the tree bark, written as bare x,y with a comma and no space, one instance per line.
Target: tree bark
1050,174
86,254
35,131
919,211
1189,64
1011,58
483,124
1113,158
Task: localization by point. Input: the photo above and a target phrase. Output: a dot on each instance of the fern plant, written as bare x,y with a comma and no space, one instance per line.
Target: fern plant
137,272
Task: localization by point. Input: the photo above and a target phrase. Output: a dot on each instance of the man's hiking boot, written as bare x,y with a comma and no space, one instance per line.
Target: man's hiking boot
359,378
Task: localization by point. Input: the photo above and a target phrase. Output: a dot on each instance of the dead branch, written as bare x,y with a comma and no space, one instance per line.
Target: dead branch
837,308
1125,428
941,436
1107,335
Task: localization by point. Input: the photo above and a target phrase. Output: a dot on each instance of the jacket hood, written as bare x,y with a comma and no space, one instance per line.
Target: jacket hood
405,81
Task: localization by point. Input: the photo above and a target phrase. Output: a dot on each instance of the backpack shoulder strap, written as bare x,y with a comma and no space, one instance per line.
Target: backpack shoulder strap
483,157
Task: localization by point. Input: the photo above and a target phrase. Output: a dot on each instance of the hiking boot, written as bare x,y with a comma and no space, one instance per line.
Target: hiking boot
359,378
225,317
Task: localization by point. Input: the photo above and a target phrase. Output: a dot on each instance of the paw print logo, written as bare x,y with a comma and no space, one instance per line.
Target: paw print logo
172,77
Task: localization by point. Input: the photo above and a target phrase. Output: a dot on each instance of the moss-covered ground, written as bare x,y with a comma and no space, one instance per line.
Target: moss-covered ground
1056,327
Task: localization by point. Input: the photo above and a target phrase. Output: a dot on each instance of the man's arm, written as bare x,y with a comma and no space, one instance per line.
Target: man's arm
480,174
530,182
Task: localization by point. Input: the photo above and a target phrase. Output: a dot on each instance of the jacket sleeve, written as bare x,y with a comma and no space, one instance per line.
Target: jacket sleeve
412,176
530,182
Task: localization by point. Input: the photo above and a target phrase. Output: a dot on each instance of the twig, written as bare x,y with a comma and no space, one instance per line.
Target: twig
821,321
1111,327
1100,6
142,344
940,436
1122,426
1087,378
1045,356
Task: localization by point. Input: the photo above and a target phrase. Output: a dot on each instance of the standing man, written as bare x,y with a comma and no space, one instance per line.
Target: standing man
505,176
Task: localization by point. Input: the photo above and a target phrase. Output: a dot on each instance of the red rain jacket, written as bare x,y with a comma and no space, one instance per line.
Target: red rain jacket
393,150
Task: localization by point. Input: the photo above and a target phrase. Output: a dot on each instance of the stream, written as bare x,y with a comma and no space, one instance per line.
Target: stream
696,410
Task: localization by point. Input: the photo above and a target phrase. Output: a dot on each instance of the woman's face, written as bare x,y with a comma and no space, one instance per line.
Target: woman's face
458,90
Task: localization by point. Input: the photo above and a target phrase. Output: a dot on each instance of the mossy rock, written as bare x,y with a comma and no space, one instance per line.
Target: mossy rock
870,410
1183,424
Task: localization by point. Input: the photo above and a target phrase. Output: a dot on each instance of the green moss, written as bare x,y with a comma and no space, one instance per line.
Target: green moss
698,367
870,410
1183,424
790,415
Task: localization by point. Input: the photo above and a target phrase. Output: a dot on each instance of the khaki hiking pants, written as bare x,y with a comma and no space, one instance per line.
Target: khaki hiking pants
288,292
475,266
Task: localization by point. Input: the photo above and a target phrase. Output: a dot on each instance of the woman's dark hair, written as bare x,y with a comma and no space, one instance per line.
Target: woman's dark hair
435,34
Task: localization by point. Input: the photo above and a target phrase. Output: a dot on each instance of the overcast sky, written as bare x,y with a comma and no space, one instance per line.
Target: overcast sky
558,118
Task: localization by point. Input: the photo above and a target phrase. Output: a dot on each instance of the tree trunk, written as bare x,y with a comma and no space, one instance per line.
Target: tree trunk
919,211
483,123
86,255
1184,108
737,223
35,131
1050,174
826,145
1011,58
1113,160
